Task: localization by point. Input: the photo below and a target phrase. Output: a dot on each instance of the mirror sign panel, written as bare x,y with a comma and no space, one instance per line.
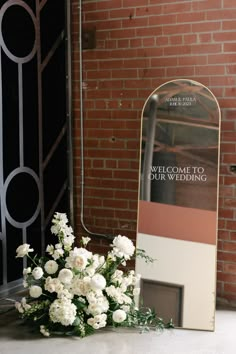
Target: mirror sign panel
177,216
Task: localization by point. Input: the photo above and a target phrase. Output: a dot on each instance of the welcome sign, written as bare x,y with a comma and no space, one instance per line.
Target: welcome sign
177,216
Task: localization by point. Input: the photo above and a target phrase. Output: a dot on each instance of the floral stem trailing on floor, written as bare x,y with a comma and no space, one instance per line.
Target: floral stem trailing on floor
75,292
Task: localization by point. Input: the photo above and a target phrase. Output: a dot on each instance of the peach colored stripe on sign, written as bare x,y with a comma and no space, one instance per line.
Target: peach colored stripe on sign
177,222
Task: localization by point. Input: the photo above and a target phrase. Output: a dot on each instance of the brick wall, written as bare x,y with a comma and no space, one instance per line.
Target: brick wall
140,45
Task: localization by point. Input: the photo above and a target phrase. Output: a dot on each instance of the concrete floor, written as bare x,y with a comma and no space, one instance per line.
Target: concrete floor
15,338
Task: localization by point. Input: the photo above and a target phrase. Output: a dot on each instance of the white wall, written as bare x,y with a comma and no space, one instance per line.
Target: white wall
190,264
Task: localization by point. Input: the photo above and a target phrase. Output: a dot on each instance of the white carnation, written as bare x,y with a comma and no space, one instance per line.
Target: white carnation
80,286
23,250
119,316
64,294
65,276
123,247
53,285
62,311
51,267
98,282
35,291
37,273
98,305
98,321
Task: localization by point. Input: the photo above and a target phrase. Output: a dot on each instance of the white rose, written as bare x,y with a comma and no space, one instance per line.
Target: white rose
119,316
98,282
35,291
23,250
65,276
37,273
51,267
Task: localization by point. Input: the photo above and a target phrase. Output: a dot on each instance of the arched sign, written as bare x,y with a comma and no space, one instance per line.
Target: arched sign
178,203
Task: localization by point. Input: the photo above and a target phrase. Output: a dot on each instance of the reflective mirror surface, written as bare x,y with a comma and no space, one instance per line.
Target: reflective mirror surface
177,216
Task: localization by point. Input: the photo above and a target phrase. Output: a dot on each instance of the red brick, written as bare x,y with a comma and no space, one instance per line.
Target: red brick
230,288
229,246
227,278
221,14
229,4
230,268
223,235
226,213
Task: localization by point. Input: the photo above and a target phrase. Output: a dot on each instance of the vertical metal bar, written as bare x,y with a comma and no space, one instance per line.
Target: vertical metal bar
21,122
40,125
3,219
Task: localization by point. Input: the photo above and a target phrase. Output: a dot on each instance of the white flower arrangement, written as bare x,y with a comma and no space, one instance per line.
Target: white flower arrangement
75,292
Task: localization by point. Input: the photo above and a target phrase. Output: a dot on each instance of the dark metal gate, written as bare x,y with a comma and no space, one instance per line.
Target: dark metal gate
34,127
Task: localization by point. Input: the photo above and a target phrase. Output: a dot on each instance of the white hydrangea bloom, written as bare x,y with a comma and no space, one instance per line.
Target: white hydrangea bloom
51,267
62,311
23,250
123,247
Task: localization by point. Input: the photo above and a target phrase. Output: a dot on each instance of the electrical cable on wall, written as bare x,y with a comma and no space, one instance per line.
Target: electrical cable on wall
108,237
